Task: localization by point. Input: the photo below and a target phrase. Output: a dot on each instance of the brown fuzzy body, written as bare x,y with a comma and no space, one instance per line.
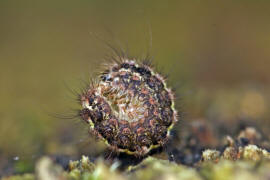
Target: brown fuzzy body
130,108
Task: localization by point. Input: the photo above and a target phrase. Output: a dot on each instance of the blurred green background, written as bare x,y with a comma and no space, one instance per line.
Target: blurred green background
216,54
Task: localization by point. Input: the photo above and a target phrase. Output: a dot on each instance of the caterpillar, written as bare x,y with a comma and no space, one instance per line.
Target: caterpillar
129,107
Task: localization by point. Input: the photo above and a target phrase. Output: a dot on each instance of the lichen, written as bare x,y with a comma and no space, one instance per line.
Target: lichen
153,168
237,159
210,155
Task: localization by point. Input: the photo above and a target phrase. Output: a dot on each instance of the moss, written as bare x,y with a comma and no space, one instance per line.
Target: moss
230,153
152,168
79,169
22,177
210,155
235,170
46,169
252,152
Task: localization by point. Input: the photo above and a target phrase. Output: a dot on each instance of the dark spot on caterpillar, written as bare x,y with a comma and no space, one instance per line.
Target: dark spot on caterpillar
144,140
142,71
125,66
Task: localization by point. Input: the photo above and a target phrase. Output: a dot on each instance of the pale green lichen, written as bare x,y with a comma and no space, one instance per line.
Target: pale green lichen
248,162
225,169
254,153
210,155
46,169
22,177
230,153
78,168
153,168
249,152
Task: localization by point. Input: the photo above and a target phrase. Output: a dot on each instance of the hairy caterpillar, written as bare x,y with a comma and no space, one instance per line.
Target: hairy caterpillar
129,106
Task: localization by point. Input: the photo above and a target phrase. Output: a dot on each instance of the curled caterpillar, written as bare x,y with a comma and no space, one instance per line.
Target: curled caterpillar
129,107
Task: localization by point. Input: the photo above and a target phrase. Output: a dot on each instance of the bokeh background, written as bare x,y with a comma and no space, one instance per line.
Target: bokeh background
216,54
